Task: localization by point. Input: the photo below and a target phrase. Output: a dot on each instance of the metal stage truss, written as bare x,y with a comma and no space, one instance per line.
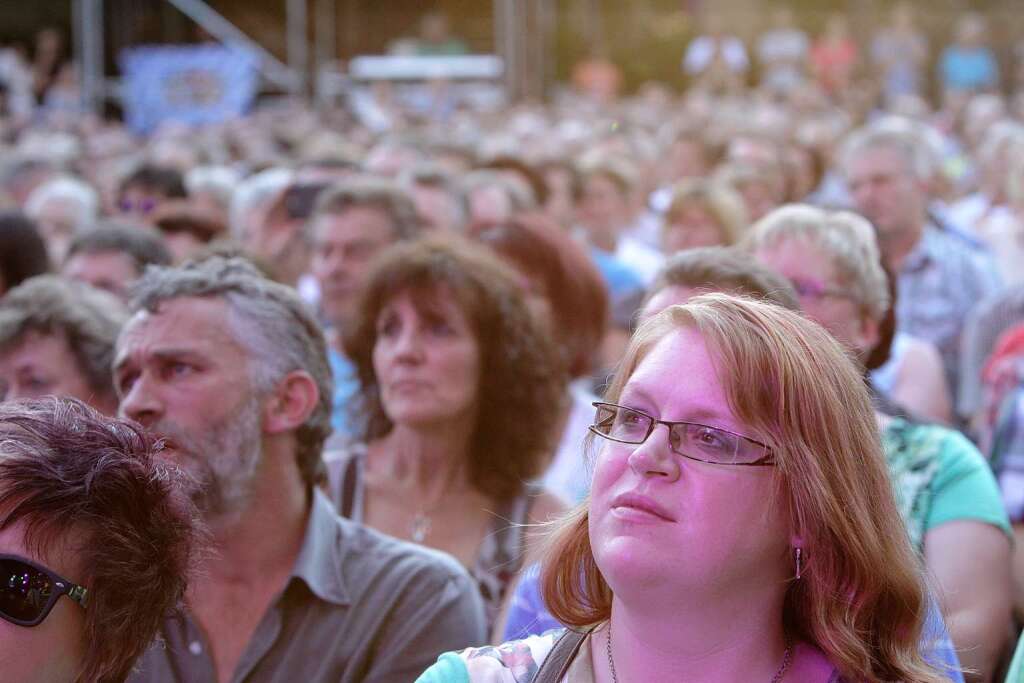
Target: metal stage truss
517,43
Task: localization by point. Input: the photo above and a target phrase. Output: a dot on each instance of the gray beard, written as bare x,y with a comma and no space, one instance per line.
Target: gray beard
222,461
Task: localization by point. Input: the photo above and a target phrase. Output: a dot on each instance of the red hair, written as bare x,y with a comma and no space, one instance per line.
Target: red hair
570,282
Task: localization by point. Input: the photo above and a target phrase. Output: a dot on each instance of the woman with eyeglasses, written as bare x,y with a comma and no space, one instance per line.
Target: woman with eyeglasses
837,283
945,490
741,525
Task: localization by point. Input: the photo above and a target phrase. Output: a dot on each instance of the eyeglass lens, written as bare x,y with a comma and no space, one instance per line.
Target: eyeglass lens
694,440
24,590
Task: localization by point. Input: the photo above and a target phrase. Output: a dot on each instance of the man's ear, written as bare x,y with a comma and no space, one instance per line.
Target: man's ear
291,403
868,335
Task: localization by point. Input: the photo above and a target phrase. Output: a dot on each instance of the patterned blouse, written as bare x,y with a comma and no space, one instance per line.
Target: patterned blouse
939,476
519,661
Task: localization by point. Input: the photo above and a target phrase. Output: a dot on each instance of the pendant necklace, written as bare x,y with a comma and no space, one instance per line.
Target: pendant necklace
786,656
420,527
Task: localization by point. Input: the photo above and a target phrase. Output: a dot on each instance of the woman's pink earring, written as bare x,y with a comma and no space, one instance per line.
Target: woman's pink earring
799,562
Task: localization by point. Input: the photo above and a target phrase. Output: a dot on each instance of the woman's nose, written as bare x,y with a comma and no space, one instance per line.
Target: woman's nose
654,457
409,345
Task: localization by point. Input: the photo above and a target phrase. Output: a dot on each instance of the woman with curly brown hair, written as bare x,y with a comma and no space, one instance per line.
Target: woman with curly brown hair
461,395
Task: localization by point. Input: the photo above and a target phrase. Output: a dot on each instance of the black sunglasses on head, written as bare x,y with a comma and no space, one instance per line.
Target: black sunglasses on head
29,591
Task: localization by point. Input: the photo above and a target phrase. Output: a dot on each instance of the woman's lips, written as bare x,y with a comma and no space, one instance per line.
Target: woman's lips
637,506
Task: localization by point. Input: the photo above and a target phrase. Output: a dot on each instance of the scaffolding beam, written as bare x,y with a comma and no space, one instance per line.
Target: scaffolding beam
325,35
89,50
297,43
282,75
89,46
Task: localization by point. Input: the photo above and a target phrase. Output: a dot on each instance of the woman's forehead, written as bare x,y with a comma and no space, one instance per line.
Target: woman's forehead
427,299
679,368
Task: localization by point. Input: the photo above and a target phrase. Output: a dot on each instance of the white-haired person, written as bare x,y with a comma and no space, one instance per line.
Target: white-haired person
945,489
61,208
211,188
728,514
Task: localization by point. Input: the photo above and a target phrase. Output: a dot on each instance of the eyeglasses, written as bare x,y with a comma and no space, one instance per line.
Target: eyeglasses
812,290
688,439
144,206
29,591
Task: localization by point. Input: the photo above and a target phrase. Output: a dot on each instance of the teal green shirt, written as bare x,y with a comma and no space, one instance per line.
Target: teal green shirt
940,477
1016,672
449,668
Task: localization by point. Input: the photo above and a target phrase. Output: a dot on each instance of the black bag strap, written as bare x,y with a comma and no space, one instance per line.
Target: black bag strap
347,488
556,664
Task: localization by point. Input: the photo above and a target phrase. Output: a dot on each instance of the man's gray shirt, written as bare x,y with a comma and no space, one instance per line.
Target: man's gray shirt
359,606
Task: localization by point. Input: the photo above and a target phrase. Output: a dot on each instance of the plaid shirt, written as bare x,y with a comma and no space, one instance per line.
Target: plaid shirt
941,280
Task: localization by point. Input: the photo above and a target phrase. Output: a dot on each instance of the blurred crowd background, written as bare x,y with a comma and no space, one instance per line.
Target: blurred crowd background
590,145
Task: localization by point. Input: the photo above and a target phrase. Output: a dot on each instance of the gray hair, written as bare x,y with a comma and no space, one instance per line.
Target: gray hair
144,246
846,239
218,181
908,138
88,318
270,321
378,193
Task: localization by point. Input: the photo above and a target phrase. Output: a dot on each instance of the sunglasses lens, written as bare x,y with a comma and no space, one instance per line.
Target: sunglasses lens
24,591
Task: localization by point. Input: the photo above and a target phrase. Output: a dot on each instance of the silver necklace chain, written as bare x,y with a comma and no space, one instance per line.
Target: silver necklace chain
786,656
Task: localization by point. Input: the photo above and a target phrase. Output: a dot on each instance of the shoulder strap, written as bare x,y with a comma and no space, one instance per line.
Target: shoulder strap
344,474
347,498
564,651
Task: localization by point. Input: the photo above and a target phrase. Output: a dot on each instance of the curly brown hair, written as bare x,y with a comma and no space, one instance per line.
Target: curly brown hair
67,469
522,384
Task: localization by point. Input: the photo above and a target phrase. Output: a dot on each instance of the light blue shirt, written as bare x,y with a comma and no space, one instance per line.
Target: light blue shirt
346,389
967,69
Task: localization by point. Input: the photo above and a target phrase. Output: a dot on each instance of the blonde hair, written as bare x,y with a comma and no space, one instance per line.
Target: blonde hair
861,599
620,170
847,239
718,200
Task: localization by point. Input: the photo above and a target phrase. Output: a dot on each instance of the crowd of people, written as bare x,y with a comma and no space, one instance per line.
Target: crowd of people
304,396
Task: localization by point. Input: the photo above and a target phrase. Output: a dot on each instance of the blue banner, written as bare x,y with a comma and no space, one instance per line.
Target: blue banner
192,84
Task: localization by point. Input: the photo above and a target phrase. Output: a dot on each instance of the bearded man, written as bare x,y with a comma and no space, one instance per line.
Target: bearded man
231,370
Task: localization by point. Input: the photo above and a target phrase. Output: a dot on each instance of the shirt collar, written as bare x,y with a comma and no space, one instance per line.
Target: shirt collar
924,252
319,561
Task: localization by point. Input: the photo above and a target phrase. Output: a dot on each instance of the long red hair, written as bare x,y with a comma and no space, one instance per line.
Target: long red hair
862,597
